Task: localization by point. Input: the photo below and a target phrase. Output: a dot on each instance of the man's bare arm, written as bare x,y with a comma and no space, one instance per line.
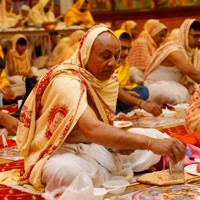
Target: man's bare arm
129,98
178,59
117,139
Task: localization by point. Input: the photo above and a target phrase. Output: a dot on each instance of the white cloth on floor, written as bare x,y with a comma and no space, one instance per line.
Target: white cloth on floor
142,160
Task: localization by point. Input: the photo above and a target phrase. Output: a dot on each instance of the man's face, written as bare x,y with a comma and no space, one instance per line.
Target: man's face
24,13
194,38
160,37
125,48
104,56
84,7
8,5
20,48
48,6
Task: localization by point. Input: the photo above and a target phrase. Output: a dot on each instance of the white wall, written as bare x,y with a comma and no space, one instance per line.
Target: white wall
65,5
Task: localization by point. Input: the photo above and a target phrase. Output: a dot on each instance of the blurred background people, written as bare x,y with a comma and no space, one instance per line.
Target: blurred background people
8,18
79,14
23,15
130,27
144,47
65,48
18,59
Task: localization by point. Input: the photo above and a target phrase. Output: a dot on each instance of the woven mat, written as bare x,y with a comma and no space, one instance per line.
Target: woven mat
8,193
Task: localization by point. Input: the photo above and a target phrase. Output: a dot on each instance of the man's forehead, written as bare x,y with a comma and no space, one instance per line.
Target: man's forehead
106,38
196,32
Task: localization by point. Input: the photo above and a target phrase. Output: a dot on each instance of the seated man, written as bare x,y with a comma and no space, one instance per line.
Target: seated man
8,18
126,97
18,59
192,118
173,63
22,16
41,15
79,14
66,123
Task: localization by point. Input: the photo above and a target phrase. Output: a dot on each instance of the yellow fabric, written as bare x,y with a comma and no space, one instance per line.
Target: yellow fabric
180,44
65,48
7,18
123,71
20,63
56,103
73,15
37,15
3,80
9,178
192,118
3,77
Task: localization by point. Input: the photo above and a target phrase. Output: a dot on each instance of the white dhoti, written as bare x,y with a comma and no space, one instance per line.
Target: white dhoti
94,160
164,84
97,162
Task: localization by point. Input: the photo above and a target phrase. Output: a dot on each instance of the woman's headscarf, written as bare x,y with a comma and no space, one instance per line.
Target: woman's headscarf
128,26
65,48
54,106
38,15
179,44
21,62
74,15
7,18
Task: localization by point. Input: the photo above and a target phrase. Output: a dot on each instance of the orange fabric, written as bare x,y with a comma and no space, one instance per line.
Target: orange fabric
190,138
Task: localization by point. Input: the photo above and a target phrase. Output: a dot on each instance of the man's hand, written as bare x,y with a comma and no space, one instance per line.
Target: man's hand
152,108
170,147
133,93
8,94
10,123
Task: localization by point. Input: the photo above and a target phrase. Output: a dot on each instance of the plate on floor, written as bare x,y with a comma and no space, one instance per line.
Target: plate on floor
181,192
192,169
122,124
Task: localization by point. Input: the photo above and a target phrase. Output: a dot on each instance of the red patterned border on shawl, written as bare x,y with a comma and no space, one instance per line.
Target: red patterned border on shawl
180,129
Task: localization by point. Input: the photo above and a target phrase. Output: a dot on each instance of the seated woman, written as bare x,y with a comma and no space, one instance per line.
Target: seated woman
18,59
167,76
79,14
65,48
8,18
144,47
